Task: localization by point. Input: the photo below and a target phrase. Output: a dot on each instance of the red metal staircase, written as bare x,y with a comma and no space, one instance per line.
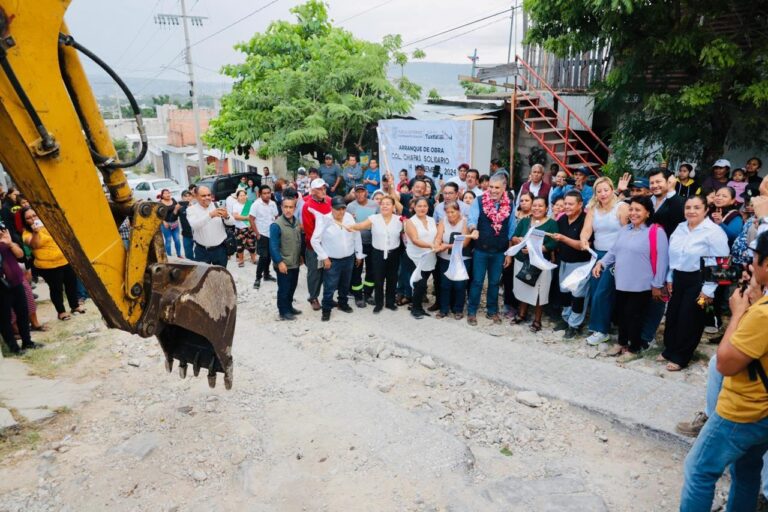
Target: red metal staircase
568,140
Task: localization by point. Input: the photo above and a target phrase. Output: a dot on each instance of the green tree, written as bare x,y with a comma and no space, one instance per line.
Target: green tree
473,88
124,151
308,85
688,76
162,99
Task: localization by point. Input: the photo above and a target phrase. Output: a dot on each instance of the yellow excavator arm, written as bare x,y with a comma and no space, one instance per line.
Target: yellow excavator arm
52,141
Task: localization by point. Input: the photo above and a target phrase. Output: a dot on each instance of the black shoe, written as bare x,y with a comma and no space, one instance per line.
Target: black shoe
295,311
360,303
31,346
561,325
326,315
418,314
369,300
377,310
345,308
287,317
571,332
392,307
257,284
269,278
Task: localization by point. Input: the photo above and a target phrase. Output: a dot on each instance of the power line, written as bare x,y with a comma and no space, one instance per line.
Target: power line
459,27
462,34
366,11
235,22
138,32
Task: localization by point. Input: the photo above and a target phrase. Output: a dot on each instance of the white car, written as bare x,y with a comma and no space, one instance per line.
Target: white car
149,189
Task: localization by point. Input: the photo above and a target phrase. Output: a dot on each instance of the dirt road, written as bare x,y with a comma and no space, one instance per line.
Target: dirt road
326,416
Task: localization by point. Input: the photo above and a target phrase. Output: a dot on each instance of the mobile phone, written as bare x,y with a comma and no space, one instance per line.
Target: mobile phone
37,224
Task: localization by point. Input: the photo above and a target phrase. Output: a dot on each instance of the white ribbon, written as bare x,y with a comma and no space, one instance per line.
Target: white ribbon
457,271
572,282
534,241
416,275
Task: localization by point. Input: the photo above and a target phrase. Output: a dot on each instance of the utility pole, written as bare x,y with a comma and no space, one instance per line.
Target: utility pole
173,19
511,33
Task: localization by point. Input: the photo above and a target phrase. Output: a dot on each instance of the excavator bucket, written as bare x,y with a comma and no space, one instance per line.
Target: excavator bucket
192,309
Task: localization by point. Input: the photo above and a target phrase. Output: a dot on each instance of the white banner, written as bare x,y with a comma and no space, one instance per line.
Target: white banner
404,144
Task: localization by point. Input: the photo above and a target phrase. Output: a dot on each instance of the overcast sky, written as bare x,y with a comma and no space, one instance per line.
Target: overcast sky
124,34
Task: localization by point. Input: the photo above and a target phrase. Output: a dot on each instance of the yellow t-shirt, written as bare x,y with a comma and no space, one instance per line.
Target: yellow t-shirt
743,400
47,255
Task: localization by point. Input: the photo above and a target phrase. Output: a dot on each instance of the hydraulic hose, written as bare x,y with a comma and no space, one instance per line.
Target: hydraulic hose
101,160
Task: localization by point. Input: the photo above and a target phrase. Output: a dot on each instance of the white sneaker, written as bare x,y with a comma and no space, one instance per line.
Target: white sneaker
711,329
597,338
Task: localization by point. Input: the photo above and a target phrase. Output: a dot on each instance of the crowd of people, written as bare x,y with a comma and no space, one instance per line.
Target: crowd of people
590,253
28,253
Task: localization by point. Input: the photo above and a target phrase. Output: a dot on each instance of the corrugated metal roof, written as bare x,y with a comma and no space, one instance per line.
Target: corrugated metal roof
434,112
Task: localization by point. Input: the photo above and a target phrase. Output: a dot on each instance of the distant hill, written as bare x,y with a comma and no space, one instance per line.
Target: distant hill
443,77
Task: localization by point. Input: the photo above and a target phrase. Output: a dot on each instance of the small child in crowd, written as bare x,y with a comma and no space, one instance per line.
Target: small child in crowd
738,183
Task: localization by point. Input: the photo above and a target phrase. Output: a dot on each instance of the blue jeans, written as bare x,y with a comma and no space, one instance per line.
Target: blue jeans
338,277
576,310
286,286
171,234
211,255
714,384
404,276
456,290
492,263
189,247
722,443
602,295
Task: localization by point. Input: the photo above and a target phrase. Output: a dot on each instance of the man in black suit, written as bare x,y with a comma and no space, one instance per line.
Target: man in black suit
668,205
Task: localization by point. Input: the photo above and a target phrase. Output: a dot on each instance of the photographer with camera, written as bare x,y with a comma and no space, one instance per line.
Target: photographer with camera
12,294
736,433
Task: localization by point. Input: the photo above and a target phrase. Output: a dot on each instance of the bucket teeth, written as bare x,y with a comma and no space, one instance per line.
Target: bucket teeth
196,365
195,308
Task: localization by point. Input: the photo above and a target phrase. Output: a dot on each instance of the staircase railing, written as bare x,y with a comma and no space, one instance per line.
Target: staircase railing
536,86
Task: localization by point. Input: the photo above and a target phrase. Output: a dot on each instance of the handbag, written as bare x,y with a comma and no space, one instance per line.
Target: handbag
528,274
231,241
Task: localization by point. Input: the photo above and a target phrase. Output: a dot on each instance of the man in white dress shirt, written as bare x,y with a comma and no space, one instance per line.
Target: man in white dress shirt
207,222
339,250
263,214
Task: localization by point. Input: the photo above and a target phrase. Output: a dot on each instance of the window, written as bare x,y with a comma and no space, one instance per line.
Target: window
161,184
142,186
238,165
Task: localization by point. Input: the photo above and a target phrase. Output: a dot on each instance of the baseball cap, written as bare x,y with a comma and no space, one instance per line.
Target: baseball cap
317,183
419,167
641,183
722,163
338,202
302,170
583,170
327,156
360,187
